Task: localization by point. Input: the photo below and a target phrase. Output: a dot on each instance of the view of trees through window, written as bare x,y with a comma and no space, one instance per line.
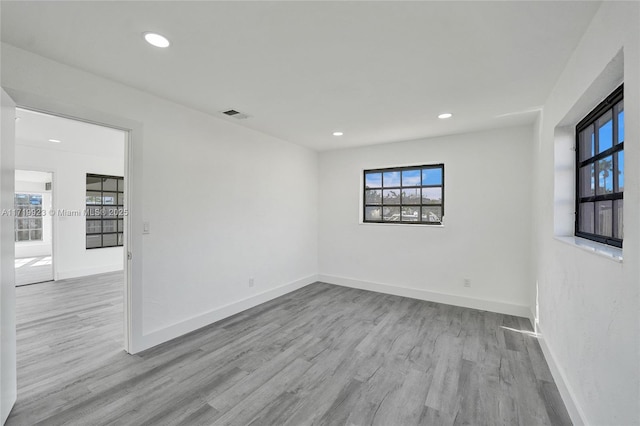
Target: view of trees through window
600,172
404,194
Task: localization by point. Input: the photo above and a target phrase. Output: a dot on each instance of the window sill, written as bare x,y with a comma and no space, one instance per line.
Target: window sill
415,225
609,252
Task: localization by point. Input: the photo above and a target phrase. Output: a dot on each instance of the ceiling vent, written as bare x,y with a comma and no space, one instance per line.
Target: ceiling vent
235,114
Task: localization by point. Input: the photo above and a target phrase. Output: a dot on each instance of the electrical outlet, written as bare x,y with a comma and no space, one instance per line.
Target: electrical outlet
251,282
467,282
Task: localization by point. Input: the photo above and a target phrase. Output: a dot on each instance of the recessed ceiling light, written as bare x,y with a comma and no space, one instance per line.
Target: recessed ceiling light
54,140
338,133
445,115
156,40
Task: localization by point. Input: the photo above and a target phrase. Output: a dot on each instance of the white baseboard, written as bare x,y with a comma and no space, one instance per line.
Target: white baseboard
431,296
533,319
164,335
75,273
566,392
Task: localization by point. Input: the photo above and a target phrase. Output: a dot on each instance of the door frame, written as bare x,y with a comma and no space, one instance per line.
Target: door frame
132,324
8,364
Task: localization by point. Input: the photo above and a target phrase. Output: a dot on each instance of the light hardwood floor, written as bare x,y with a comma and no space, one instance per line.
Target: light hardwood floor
323,355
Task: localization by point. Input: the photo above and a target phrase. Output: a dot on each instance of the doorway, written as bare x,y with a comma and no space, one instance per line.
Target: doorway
76,172
33,231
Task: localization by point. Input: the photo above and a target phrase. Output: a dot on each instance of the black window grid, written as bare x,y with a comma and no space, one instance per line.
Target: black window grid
591,119
101,212
29,214
422,206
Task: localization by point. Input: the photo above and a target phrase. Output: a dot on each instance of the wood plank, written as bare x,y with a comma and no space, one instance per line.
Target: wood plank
323,354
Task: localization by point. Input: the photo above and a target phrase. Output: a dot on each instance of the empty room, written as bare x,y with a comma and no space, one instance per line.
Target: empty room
330,213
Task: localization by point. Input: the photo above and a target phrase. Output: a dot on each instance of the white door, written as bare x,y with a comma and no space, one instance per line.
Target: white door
8,383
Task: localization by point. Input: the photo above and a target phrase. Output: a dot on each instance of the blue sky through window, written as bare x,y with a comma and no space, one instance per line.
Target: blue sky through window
621,126
373,180
432,177
411,178
605,136
391,179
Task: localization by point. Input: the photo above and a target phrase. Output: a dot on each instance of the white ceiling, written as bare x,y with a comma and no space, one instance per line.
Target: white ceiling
35,129
378,71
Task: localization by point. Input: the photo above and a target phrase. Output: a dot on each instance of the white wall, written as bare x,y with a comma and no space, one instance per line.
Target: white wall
589,313
224,203
71,258
36,248
8,373
486,232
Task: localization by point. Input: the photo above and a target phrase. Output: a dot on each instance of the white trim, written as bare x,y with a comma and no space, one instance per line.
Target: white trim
8,369
194,323
566,392
75,273
431,296
127,307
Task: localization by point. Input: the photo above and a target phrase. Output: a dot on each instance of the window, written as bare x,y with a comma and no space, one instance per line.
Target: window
105,211
600,172
28,220
404,195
